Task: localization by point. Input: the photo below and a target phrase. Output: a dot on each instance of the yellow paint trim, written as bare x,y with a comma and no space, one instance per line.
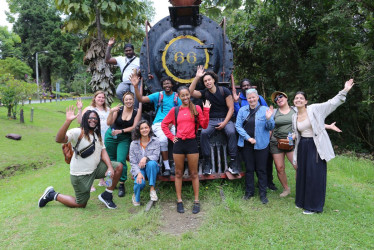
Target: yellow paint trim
163,59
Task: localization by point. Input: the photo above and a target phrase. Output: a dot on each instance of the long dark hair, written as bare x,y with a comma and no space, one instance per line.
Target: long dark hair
191,106
86,127
135,135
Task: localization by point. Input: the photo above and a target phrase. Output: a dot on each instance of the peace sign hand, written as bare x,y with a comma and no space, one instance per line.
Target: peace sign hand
207,104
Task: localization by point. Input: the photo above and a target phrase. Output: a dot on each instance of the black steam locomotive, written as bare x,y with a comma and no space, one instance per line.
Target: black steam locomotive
177,44
174,47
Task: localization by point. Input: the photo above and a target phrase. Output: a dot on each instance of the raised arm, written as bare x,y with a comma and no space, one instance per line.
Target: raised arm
108,57
70,116
199,73
135,79
112,115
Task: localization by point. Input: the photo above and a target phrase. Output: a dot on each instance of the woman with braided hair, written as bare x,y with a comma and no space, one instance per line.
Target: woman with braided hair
187,118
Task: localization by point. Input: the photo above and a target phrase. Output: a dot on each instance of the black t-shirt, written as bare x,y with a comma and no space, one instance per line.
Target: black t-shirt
121,124
250,125
219,108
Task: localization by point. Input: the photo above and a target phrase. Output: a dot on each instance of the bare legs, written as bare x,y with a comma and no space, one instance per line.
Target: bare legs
69,201
281,169
193,160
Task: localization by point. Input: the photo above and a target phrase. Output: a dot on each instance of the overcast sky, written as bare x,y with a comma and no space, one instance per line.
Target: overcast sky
161,9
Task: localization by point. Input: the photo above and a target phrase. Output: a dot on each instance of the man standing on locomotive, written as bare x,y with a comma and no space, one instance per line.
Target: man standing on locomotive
220,116
163,102
126,63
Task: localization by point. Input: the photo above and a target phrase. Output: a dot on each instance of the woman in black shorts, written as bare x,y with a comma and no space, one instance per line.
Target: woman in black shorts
187,118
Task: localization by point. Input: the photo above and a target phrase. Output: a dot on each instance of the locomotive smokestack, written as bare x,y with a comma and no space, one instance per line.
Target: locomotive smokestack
178,3
184,12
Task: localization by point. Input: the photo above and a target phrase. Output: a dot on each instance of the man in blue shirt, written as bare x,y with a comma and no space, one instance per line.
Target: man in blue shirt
163,102
240,100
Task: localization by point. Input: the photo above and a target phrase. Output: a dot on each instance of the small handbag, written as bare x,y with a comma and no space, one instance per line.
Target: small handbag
87,151
284,144
68,152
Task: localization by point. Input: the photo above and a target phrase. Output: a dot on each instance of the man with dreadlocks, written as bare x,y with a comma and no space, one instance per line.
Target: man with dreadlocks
90,161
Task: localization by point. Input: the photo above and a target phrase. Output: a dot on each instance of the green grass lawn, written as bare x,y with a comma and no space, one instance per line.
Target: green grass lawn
347,220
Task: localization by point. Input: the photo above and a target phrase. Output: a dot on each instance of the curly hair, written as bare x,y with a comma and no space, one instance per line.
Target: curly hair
135,135
86,127
212,74
167,78
93,103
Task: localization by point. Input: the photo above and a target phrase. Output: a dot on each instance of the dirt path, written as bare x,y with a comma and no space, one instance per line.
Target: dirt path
176,223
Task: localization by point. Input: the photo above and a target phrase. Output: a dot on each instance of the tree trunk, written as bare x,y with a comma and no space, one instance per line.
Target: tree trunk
45,79
98,24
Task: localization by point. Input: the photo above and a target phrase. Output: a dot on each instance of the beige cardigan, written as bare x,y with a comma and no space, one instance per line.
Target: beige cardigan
317,114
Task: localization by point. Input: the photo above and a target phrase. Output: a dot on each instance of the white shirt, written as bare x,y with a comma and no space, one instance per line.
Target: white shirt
122,61
84,166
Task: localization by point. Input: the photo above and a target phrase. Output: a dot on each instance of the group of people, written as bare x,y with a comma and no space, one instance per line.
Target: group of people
254,133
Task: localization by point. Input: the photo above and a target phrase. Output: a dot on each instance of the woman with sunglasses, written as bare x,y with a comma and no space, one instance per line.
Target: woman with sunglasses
313,149
98,104
283,125
122,120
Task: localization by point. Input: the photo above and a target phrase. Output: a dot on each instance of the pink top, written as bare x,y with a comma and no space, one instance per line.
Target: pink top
186,123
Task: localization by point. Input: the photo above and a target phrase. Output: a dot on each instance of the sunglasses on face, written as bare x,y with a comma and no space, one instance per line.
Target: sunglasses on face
278,97
93,118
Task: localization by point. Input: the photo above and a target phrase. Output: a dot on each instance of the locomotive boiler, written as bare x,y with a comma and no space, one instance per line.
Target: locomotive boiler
178,43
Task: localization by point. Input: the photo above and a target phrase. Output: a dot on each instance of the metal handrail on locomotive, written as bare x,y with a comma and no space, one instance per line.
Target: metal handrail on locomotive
174,47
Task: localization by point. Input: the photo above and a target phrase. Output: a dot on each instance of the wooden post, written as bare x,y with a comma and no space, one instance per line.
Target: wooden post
32,115
21,119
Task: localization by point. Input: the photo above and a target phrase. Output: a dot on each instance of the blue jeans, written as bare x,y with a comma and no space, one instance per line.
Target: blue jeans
150,171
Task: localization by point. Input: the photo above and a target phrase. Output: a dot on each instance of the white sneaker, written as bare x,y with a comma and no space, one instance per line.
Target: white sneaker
308,212
134,202
153,195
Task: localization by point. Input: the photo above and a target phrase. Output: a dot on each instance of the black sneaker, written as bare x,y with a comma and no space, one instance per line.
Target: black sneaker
121,190
272,187
172,169
264,200
207,166
107,199
166,173
180,208
233,168
247,196
46,197
196,208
